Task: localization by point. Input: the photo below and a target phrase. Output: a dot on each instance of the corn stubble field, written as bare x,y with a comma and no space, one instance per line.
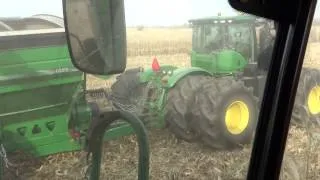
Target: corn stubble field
171,159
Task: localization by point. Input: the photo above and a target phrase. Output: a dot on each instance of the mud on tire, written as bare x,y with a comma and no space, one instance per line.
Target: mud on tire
127,90
309,78
209,110
178,106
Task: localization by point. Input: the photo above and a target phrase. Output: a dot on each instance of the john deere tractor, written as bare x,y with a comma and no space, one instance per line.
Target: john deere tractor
216,100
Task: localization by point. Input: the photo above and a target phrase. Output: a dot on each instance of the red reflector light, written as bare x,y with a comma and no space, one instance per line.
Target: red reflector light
75,134
155,65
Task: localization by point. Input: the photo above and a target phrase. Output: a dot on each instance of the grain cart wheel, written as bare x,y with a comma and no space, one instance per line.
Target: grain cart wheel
179,102
307,103
225,113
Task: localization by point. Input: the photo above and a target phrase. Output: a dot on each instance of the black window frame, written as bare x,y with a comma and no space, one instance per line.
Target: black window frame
294,25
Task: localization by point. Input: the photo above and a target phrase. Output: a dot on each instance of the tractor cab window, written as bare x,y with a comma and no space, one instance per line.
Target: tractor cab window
197,38
240,39
213,39
207,38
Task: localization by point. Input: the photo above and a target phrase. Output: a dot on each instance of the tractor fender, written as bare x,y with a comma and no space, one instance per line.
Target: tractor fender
180,73
148,73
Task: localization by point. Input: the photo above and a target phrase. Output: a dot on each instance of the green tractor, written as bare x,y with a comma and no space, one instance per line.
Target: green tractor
216,100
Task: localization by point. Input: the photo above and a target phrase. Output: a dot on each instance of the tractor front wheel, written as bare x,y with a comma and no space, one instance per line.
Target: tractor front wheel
225,113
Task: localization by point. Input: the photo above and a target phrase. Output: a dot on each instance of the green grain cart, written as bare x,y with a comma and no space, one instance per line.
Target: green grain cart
45,106
37,85
216,100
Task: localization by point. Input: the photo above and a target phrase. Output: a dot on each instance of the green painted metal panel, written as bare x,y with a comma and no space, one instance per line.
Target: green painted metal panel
32,129
37,84
226,61
182,72
23,56
148,74
65,145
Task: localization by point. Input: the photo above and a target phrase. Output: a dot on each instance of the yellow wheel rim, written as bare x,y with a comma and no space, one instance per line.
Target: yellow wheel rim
237,117
314,100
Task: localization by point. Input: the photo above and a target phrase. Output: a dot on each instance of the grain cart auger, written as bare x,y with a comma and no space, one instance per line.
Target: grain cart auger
44,106
216,100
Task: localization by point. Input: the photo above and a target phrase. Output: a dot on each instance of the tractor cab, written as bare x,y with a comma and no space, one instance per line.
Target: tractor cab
224,45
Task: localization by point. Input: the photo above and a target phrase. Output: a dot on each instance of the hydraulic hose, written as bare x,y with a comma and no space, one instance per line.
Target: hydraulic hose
96,138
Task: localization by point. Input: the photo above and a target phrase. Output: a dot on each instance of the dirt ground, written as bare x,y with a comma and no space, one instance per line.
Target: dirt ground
172,160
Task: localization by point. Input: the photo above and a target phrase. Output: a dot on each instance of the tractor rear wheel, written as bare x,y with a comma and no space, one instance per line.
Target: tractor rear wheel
225,113
307,103
127,92
179,103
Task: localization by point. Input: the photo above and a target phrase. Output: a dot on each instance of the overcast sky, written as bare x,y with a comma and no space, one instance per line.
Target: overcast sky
145,12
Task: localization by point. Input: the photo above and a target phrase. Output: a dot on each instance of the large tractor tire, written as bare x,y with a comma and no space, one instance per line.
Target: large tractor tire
306,109
225,113
127,91
179,104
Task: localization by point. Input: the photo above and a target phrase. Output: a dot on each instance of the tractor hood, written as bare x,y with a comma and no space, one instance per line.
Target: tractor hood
222,62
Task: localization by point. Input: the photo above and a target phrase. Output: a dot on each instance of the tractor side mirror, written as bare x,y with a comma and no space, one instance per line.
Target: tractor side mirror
96,35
